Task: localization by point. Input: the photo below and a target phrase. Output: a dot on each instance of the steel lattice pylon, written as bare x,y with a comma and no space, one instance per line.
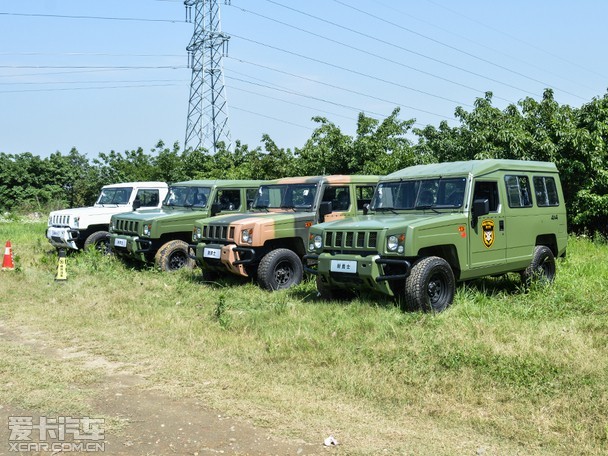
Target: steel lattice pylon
207,122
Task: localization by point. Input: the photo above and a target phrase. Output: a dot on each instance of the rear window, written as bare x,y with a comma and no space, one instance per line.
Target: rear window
545,191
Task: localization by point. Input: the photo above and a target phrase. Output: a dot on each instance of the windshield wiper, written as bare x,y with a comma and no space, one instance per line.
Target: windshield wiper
382,209
261,207
288,207
428,206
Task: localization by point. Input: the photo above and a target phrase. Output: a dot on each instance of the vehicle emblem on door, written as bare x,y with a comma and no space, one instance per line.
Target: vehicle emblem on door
488,232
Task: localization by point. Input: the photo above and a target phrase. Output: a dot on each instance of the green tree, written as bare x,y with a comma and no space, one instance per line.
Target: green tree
378,147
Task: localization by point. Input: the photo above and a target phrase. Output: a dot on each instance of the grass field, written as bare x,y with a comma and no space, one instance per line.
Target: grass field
500,372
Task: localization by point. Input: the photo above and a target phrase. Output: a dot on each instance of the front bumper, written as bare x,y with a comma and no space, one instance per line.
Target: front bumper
218,257
130,246
63,237
370,272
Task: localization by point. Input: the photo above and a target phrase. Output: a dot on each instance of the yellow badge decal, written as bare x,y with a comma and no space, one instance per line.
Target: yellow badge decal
488,232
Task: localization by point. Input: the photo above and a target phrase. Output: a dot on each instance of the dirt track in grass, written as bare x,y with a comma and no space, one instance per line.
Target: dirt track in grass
145,421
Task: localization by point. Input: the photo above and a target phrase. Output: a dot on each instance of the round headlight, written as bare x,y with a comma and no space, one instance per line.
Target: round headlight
318,241
199,233
393,243
246,236
146,230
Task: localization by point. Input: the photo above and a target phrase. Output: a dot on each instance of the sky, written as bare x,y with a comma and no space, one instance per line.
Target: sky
113,75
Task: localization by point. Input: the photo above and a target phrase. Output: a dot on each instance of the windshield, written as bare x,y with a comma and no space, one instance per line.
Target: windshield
419,194
187,196
285,196
111,195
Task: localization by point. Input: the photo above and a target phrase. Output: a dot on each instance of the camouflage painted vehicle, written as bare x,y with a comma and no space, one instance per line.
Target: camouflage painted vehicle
162,235
432,225
269,243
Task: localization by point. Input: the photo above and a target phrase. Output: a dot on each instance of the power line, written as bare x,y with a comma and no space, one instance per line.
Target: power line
103,18
89,82
454,48
160,67
350,70
342,88
282,100
88,54
299,94
386,59
480,44
388,43
89,88
271,118
517,39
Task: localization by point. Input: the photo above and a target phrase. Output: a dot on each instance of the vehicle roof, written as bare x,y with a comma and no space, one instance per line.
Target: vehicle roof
474,167
332,179
137,184
220,183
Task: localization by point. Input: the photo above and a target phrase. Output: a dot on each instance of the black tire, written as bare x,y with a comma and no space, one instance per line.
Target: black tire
430,285
173,256
99,240
541,268
280,269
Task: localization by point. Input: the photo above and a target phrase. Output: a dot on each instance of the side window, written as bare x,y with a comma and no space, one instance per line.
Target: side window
487,190
230,200
147,197
364,195
339,197
518,191
545,191
250,195
451,192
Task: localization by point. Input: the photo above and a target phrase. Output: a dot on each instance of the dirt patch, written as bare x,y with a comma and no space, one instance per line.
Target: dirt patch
147,422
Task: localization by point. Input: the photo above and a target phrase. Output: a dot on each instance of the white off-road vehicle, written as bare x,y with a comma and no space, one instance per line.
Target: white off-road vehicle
80,227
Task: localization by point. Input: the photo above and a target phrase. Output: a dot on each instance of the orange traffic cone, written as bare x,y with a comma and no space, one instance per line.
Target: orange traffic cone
8,263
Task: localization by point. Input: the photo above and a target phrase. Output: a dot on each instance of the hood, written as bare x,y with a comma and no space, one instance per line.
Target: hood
92,211
388,221
261,218
176,214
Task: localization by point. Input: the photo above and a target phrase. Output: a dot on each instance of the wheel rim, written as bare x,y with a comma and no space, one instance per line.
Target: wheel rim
545,270
103,246
437,291
283,274
177,261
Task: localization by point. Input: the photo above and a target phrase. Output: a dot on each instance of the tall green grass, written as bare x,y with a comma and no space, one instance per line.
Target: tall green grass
503,369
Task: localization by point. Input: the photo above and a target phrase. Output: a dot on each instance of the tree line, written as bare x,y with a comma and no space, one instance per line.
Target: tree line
575,139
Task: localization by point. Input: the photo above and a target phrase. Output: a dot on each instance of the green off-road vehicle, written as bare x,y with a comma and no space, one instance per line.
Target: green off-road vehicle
162,235
270,241
432,225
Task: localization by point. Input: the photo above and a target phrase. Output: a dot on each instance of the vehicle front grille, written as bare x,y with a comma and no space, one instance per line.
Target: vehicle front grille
60,220
364,240
218,232
126,227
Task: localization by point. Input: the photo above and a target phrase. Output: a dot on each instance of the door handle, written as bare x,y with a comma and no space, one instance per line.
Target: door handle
501,225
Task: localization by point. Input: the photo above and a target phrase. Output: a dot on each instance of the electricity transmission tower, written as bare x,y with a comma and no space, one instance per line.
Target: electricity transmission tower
207,122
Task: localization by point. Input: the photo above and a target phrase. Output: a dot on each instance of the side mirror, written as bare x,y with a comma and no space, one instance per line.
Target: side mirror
325,208
365,208
136,204
216,208
481,207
